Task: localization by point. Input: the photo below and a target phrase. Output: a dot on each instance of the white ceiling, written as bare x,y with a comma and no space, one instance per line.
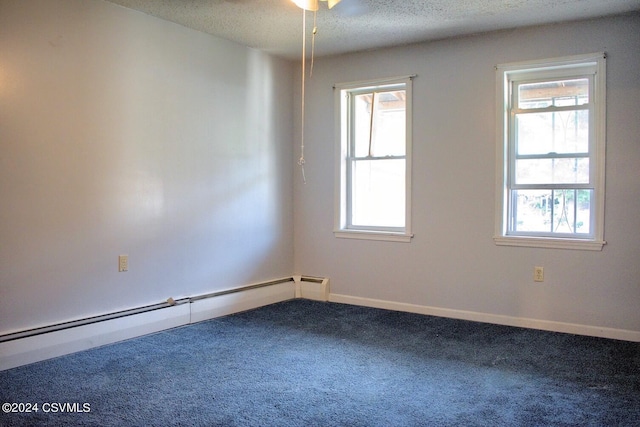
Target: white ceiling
275,26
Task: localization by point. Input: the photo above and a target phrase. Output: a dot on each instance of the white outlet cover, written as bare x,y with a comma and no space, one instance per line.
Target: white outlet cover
123,263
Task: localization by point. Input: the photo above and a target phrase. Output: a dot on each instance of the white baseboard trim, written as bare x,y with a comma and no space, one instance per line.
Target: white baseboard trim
35,348
545,325
46,345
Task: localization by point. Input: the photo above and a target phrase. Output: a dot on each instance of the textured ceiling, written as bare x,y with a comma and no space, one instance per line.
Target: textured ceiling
275,26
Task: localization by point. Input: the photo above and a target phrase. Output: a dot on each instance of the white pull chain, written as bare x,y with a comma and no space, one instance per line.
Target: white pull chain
301,162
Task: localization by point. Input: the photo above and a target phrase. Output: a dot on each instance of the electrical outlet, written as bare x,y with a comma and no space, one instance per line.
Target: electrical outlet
538,274
123,263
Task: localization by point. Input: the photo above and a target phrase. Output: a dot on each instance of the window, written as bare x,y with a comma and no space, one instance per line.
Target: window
551,127
373,155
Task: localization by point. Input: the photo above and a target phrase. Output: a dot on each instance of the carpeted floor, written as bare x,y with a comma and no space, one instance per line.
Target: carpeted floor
306,363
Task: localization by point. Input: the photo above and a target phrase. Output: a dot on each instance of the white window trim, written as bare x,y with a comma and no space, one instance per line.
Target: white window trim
503,71
340,193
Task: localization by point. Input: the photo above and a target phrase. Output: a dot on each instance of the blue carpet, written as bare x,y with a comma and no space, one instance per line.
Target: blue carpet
306,363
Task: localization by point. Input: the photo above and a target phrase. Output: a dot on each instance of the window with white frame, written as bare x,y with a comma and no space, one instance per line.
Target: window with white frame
551,127
373,155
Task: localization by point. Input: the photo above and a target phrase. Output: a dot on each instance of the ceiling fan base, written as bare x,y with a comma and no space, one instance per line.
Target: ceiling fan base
314,5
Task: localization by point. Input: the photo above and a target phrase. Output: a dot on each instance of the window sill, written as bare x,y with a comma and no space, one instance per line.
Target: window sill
373,235
551,243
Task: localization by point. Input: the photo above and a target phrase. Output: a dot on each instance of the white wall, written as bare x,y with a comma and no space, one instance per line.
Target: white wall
124,134
452,262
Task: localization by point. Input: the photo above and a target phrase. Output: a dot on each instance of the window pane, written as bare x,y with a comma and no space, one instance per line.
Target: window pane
553,132
532,210
385,134
583,211
552,211
378,193
553,171
564,211
362,124
553,93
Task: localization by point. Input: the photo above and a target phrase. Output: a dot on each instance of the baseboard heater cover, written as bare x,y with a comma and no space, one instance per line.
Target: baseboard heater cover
37,344
228,302
314,288
88,321
42,346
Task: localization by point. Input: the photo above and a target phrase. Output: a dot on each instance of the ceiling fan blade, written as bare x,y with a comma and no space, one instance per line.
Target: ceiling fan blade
350,7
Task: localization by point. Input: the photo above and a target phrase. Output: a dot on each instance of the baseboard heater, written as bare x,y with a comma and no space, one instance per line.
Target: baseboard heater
133,311
36,344
241,289
87,321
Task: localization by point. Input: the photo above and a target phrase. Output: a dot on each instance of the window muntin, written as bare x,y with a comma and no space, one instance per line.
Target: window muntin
553,170
374,145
